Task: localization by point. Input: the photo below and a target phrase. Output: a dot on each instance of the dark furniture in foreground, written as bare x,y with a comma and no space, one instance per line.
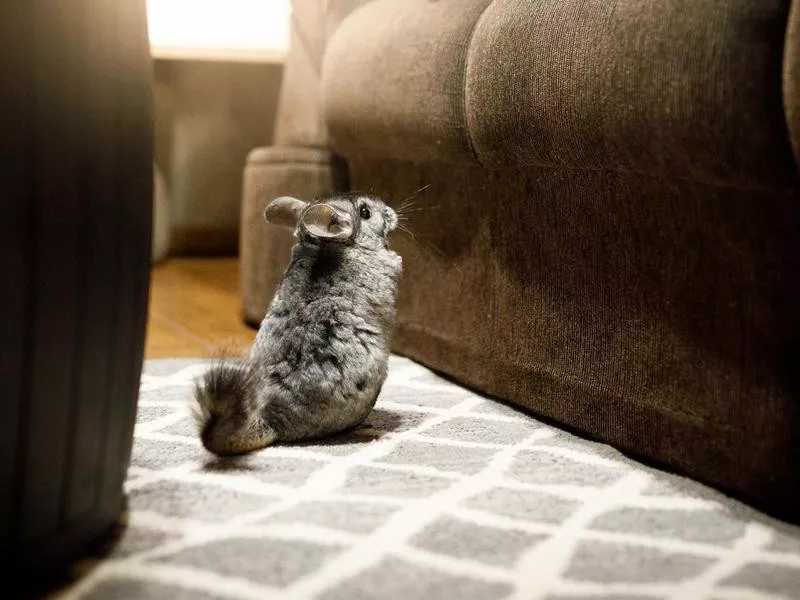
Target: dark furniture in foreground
616,202
76,183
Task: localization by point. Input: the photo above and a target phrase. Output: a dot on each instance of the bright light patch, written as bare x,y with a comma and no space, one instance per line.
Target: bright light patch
240,29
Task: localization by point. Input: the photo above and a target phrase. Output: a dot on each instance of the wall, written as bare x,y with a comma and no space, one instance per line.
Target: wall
209,115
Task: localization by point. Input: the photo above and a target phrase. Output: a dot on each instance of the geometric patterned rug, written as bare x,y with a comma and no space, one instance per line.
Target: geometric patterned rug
443,494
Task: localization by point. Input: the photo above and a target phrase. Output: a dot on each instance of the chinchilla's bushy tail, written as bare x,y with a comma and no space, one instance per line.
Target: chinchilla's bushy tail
227,408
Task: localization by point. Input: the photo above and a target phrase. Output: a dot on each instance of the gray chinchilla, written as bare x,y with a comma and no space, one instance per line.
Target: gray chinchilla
320,357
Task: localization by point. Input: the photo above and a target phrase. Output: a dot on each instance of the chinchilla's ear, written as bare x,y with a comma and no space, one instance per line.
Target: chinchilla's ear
284,211
326,222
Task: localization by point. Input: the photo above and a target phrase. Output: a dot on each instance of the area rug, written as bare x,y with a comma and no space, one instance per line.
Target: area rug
443,494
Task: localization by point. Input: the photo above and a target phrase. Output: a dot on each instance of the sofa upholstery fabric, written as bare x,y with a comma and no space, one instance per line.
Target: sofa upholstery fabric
301,121
394,77
688,89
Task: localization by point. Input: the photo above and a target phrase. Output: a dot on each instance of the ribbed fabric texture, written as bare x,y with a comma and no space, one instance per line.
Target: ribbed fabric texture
301,120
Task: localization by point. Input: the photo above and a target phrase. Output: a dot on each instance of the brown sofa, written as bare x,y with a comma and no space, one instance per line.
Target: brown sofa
615,208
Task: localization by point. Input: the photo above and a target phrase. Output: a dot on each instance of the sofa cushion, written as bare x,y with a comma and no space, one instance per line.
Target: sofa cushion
393,79
300,120
688,89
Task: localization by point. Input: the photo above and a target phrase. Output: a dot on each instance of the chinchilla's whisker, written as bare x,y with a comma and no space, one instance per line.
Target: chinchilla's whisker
419,208
429,248
403,207
426,246
419,191
407,202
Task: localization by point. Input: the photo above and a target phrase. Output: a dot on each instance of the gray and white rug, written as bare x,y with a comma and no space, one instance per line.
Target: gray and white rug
445,494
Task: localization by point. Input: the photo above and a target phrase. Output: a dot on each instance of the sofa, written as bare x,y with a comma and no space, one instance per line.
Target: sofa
609,234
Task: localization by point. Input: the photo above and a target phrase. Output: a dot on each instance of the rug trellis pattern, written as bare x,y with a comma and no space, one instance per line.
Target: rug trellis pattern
444,494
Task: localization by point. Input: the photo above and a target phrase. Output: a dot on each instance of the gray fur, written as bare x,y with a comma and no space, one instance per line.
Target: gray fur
320,357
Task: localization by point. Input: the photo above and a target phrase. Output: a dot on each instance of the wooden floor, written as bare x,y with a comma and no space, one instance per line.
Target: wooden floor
195,309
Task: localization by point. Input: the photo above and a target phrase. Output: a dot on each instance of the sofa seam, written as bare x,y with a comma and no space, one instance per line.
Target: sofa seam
464,81
790,73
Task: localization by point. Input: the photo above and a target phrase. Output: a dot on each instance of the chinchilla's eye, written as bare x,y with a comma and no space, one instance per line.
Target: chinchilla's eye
364,212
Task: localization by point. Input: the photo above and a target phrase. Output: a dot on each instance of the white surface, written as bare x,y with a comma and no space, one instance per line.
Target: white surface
241,30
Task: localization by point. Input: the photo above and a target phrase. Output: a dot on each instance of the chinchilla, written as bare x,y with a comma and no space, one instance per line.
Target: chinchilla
320,357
